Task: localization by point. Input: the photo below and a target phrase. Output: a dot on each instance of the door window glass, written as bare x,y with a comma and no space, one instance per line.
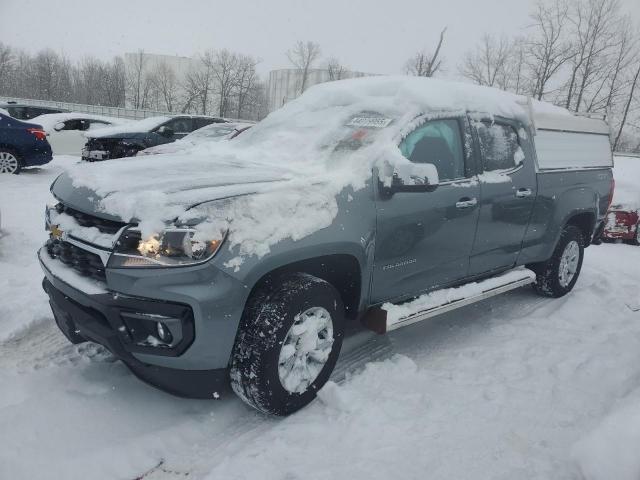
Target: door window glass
499,146
437,142
179,125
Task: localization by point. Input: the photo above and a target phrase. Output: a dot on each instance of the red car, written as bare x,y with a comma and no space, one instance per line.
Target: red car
622,224
623,218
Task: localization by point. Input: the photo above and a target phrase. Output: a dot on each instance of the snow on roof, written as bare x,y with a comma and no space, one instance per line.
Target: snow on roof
144,125
49,120
4,112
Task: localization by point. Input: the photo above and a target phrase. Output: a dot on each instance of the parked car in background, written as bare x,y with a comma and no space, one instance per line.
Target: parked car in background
623,219
127,140
376,199
23,111
22,145
66,131
211,133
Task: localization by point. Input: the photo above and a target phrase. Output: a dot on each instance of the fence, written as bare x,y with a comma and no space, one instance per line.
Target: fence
119,112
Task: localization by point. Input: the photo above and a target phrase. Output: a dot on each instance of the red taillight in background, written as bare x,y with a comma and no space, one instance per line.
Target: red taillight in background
39,134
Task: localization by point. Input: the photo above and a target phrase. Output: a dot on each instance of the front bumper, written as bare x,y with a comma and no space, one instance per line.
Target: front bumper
98,318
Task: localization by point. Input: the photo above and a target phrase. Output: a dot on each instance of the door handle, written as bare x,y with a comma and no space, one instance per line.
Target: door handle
523,192
466,202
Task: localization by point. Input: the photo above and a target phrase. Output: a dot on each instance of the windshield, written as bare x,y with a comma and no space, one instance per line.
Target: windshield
212,132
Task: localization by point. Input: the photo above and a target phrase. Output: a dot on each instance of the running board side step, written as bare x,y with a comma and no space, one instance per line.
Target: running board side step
391,316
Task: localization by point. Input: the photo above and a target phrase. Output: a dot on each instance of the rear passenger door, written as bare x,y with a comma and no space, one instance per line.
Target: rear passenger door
507,194
424,239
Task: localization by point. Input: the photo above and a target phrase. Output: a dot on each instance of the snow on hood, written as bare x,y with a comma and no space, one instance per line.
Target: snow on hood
145,125
289,160
626,171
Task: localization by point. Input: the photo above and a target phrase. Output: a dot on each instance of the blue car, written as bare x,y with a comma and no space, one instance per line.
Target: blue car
22,145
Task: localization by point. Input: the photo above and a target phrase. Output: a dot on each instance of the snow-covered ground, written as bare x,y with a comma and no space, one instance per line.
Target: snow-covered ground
515,387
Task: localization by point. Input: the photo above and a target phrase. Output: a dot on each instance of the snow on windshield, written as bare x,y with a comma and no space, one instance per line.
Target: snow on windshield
315,146
145,125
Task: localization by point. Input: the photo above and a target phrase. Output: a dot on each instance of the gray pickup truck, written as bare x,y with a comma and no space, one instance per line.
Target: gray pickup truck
385,200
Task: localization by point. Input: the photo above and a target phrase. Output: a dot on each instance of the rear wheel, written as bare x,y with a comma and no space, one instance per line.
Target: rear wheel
288,344
557,276
9,162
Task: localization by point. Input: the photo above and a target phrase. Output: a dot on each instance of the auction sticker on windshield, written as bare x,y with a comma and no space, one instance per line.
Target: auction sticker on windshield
369,122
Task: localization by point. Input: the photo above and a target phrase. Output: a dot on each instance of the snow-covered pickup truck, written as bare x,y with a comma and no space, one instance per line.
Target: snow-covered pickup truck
385,200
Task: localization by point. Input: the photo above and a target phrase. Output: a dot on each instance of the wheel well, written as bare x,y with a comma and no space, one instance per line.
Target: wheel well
586,223
340,270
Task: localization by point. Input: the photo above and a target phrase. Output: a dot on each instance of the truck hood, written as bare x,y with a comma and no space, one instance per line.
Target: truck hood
173,183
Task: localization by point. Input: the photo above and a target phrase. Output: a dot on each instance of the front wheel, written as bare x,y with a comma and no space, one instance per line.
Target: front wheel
557,276
288,343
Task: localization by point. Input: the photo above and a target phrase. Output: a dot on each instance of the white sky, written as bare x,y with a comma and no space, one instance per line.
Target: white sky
367,35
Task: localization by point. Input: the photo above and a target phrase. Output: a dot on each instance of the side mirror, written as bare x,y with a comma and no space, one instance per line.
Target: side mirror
165,131
414,177
58,126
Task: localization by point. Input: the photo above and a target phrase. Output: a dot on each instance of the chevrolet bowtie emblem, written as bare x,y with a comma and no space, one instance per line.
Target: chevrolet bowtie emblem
56,232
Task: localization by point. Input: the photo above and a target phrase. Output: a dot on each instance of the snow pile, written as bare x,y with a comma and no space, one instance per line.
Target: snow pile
308,144
145,125
612,450
626,171
49,120
395,313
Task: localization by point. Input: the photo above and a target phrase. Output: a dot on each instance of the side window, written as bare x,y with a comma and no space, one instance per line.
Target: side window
500,146
201,122
437,142
179,125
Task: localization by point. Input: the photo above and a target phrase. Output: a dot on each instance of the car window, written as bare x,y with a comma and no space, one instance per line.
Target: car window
94,124
499,146
201,122
179,125
439,143
17,112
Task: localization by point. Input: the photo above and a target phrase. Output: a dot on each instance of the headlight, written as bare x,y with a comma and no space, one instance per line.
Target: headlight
172,248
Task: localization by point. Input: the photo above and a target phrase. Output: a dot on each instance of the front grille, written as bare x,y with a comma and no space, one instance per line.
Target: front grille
86,220
85,263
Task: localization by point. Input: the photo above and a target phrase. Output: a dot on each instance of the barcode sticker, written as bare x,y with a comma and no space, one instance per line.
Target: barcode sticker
370,122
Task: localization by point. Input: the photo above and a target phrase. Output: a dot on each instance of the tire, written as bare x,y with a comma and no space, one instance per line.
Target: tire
555,278
267,344
9,162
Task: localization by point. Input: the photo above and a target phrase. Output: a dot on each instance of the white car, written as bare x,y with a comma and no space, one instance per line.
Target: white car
211,133
65,131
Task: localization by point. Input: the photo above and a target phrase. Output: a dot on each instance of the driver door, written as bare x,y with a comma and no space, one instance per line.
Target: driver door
424,239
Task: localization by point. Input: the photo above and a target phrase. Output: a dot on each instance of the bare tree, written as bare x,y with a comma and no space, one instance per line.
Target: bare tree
225,79
303,56
548,48
246,80
336,70
627,106
137,83
486,65
426,64
595,25
165,84
6,62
